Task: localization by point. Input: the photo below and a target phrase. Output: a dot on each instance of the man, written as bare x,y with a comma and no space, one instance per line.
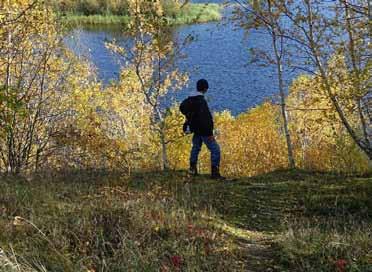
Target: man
199,121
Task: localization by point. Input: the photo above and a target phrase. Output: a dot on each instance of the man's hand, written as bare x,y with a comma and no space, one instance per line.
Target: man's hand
211,138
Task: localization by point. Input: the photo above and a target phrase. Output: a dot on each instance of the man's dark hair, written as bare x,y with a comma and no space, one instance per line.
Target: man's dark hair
202,85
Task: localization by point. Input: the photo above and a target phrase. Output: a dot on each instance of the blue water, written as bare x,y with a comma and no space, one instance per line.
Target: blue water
219,53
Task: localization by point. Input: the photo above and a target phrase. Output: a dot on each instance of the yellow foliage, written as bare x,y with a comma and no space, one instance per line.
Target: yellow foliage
36,82
53,112
320,140
251,143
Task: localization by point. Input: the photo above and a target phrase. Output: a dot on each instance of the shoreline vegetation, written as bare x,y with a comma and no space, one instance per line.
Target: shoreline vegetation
192,13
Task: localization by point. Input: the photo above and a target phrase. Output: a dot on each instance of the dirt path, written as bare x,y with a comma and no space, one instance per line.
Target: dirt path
253,211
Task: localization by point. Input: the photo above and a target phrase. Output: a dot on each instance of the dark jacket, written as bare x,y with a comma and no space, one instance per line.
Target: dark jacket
199,116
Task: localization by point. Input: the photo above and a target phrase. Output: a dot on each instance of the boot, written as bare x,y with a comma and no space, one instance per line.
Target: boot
193,171
216,173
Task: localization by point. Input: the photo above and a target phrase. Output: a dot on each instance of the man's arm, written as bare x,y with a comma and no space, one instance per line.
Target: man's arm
208,120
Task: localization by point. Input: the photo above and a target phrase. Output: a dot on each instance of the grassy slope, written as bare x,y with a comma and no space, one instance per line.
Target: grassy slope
285,221
193,13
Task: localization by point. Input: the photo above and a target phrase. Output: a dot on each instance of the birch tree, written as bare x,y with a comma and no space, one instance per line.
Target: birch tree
320,30
34,71
264,15
152,59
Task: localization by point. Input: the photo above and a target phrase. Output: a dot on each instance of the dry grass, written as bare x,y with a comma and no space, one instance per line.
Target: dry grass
282,221
108,223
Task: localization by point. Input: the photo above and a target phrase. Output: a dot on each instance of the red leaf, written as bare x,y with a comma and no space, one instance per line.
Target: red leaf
341,265
176,261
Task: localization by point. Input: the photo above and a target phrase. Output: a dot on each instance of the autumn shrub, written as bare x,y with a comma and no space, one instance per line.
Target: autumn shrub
110,129
252,143
321,141
37,78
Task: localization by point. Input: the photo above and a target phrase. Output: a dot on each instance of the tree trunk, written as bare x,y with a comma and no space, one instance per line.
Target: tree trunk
370,18
164,157
291,160
278,60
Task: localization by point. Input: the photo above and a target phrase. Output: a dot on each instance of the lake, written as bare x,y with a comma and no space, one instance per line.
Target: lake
219,53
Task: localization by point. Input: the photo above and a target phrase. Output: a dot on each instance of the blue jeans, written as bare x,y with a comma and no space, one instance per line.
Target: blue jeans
214,148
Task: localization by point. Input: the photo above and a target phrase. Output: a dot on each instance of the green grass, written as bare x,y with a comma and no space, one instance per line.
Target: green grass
192,13
282,221
73,19
197,13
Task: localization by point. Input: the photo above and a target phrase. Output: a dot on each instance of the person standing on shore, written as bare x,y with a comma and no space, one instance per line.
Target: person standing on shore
199,121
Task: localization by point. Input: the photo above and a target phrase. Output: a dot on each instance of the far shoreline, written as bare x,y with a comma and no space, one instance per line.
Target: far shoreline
195,13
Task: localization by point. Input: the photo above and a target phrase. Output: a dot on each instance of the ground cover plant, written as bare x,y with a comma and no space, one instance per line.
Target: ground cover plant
283,221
